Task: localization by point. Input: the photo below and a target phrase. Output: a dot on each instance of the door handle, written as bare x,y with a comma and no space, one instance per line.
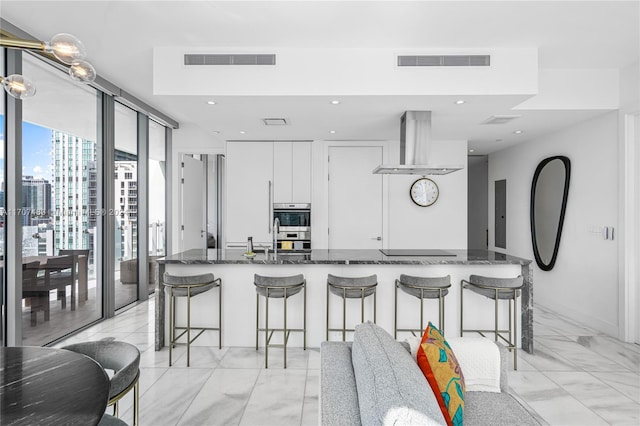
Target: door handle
377,238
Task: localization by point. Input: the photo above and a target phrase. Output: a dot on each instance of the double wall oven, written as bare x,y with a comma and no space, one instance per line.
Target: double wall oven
295,226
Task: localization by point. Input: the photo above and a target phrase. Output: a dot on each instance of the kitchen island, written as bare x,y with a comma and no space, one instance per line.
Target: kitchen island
239,295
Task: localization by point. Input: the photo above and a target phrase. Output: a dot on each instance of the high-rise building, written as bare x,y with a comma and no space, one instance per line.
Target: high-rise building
74,191
36,201
126,204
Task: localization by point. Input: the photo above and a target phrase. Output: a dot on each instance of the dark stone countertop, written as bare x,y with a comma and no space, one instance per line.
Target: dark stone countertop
340,257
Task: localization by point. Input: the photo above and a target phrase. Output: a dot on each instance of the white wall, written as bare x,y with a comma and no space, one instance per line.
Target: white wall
441,225
584,282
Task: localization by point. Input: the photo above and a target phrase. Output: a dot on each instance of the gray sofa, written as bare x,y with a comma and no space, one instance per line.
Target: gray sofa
374,380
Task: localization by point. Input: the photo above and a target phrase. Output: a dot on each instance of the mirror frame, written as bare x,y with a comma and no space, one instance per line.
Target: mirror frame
567,168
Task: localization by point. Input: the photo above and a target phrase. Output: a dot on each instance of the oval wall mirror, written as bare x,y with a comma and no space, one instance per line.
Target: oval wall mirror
549,191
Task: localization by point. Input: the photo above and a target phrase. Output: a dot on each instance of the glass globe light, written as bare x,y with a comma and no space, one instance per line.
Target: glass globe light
67,48
18,86
82,71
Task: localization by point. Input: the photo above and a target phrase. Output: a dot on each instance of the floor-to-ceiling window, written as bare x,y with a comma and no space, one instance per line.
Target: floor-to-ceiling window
157,196
126,205
61,291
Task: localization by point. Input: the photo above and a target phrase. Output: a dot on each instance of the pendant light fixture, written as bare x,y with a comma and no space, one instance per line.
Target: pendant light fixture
66,48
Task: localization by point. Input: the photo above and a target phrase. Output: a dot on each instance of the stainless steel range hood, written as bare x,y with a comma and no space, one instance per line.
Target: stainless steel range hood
415,148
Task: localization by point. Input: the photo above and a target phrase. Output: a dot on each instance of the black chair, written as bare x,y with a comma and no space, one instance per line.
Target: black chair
82,270
59,273
35,291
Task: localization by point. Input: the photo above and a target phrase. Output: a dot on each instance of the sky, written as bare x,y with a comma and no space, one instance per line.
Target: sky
36,151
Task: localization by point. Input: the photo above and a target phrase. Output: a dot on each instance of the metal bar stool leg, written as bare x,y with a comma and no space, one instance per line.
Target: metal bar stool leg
285,337
188,325
220,316
374,305
515,333
441,310
327,312
266,332
172,319
304,318
257,318
344,314
136,407
495,328
395,312
421,309
461,303
362,305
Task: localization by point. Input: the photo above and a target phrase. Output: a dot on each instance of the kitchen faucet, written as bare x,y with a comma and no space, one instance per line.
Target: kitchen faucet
276,231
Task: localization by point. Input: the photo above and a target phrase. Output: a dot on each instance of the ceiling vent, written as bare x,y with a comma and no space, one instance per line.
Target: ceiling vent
500,119
275,121
444,60
229,59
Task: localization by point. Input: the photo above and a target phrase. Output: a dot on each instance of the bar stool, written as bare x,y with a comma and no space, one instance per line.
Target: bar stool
190,286
422,288
351,288
279,288
496,289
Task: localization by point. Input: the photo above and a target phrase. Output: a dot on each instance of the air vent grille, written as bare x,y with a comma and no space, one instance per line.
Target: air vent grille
500,119
444,60
275,121
229,59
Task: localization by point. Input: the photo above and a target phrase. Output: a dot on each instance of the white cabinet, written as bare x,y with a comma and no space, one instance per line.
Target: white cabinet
249,168
301,175
292,172
252,169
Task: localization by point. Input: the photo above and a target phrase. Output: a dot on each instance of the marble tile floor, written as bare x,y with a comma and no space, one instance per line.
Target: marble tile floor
577,376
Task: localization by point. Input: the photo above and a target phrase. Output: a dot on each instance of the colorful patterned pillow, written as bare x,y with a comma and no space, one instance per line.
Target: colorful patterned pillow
441,368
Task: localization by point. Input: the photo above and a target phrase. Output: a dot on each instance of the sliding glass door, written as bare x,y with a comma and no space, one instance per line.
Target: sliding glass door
126,206
61,291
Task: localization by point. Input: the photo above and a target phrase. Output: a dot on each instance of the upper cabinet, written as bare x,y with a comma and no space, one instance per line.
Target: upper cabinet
259,174
292,172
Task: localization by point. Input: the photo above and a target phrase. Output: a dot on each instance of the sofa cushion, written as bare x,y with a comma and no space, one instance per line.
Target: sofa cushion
495,409
443,372
338,394
391,388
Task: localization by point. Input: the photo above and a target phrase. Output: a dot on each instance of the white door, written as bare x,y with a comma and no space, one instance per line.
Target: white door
193,199
355,198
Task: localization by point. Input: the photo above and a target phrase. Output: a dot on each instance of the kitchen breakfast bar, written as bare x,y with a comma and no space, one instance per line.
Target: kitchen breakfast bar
239,293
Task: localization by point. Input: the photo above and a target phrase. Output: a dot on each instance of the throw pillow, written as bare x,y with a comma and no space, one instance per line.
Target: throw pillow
442,370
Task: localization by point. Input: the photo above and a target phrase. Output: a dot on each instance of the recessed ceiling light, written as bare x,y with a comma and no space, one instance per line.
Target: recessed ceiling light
332,131
471,150
211,102
216,132
517,132
335,102
242,132
460,102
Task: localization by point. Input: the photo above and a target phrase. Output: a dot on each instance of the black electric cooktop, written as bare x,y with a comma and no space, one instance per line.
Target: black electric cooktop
415,252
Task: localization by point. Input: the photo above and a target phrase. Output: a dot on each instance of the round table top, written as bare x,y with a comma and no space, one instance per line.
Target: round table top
51,386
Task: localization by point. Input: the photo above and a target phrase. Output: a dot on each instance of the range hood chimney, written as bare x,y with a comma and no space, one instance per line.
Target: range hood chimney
415,148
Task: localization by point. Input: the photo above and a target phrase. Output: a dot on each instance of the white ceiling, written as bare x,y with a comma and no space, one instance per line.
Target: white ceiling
120,37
